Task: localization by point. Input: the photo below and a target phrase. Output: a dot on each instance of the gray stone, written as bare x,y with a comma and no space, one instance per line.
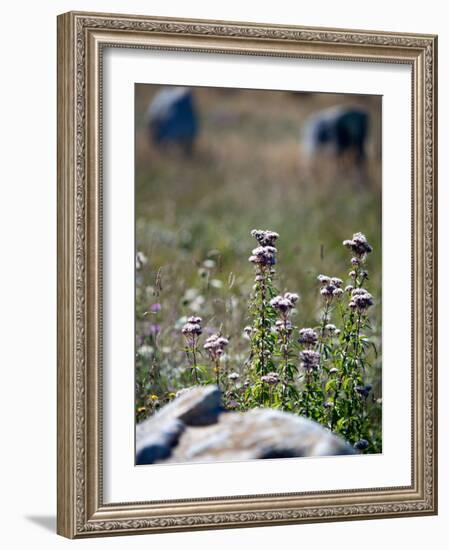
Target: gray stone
156,436
258,434
196,406
155,439
195,428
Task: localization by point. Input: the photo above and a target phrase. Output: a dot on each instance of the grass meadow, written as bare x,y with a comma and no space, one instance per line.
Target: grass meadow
194,215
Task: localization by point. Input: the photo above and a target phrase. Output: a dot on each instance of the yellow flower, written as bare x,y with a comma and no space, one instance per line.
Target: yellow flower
216,369
153,397
172,395
141,409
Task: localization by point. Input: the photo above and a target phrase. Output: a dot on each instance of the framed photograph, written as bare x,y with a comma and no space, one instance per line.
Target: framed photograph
246,274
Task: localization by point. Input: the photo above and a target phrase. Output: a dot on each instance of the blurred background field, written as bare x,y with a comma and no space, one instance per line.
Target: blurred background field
194,214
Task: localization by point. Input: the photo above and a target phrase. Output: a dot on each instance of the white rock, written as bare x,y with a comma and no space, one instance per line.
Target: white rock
258,433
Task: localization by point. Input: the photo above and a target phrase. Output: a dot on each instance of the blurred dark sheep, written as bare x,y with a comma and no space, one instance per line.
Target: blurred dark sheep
339,132
172,119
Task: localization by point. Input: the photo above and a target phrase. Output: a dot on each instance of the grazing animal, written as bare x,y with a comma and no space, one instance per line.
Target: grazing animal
172,119
340,132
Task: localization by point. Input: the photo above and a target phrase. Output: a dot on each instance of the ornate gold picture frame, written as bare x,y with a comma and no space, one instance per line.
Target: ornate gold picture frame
82,40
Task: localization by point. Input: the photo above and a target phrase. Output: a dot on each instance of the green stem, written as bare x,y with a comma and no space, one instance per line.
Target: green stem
195,372
262,317
342,372
217,372
285,343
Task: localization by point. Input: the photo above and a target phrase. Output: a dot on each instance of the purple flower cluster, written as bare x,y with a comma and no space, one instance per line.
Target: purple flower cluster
331,329
308,337
361,299
265,254
283,327
359,246
330,287
310,359
265,237
192,328
215,345
283,304
271,378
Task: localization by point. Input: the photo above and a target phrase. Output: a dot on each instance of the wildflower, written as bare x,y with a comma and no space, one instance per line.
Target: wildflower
194,319
271,378
145,351
190,294
282,304
336,282
333,370
361,444
154,308
232,404
358,245
310,359
349,288
234,376
361,299
324,279
141,409
265,237
215,345
328,404
197,304
172,395
248,330
141,260
283,327
263,255
209,264
192,329
292,296
330,287
154,328
308,336
153,397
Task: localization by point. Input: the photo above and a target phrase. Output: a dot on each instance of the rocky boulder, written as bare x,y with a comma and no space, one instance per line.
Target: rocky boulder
157,435
195,428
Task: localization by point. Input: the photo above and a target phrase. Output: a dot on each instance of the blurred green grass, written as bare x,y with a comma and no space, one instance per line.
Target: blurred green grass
247,172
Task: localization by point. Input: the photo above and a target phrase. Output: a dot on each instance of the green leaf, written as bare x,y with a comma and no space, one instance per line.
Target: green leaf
341,422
